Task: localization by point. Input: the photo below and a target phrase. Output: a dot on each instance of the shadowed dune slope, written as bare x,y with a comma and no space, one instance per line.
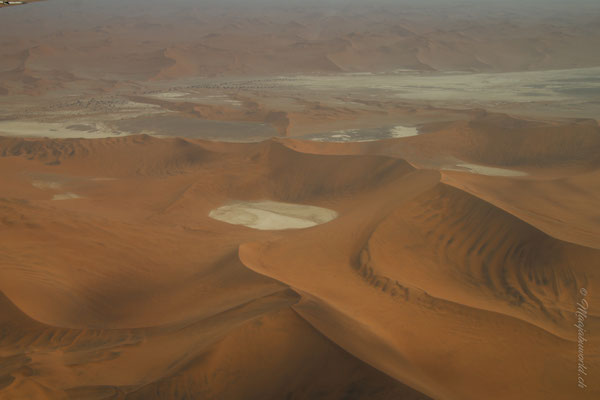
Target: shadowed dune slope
282,357
295,176
264,347
564,207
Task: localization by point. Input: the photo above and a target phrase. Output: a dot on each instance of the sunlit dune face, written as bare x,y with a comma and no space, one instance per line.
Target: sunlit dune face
272,215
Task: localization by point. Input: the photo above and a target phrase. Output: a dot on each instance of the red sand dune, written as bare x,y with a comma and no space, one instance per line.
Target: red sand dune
131,291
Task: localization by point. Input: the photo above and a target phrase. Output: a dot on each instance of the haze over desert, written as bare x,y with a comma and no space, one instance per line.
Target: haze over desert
268,200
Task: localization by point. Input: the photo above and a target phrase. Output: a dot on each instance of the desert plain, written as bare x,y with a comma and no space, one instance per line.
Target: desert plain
267,200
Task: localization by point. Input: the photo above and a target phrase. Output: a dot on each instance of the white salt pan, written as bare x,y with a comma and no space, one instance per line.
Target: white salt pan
271,215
